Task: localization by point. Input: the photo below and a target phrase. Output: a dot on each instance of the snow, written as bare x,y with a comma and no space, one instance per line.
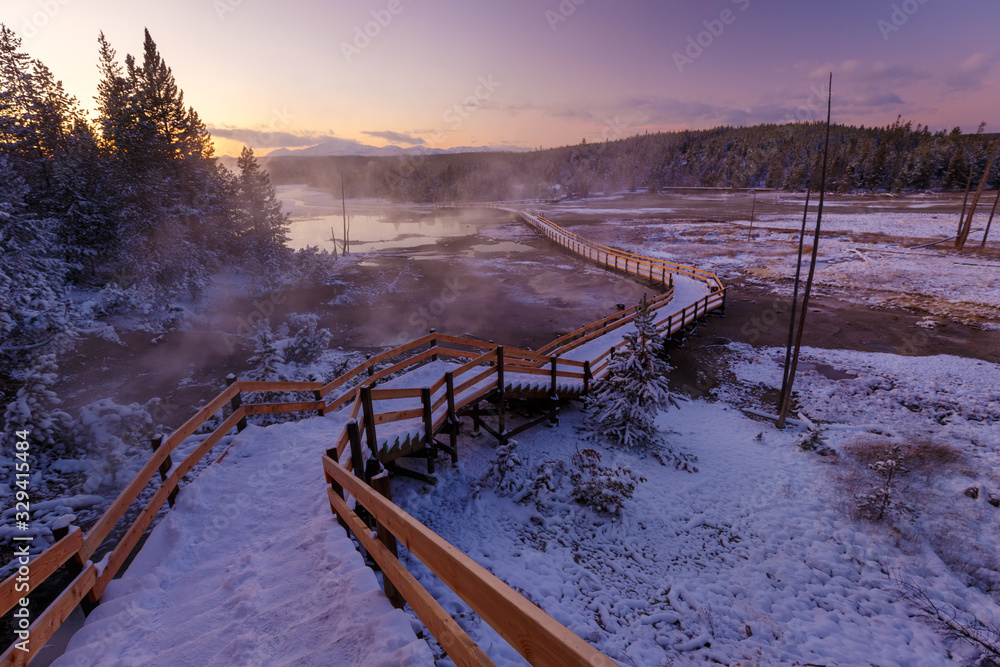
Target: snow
271,579
751,560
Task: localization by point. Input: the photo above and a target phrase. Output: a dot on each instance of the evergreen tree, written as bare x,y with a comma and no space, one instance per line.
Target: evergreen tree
625,405
259,221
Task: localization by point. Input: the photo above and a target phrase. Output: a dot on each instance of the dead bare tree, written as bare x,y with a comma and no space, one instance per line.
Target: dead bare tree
966,227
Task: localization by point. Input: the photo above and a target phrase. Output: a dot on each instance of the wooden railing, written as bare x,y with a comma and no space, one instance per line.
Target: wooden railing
482,370
534,634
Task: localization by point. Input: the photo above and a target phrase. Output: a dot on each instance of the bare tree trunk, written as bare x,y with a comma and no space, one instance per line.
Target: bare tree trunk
990,223
787,398
963,232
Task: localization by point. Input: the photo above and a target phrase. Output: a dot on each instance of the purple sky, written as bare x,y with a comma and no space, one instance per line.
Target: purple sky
530,73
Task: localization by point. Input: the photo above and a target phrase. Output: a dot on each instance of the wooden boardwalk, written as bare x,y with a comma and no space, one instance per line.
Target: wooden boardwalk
405,402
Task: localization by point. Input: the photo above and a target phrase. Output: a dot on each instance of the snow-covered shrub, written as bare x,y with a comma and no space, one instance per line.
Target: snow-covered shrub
111,434
583,480
882,497
603,488
309,342
35,408
309,267
504,473
625,404
267,358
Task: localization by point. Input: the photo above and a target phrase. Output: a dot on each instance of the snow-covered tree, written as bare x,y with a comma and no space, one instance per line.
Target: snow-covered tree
625,404
36,409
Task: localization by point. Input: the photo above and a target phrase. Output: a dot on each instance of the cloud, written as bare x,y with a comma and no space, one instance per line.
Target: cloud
268,138
396,137
969,73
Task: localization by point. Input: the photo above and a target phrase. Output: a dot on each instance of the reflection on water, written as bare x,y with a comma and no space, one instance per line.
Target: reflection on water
317,218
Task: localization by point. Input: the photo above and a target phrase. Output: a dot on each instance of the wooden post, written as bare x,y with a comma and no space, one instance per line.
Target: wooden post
449,382
552,390
371,372
434,344
357,456
500,393
475,419
429,442
165,467
318,395
587,376
369,408
236,403
337,488
74,566
663,276
380,483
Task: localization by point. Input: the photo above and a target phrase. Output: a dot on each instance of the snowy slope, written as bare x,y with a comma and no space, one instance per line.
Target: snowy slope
270,580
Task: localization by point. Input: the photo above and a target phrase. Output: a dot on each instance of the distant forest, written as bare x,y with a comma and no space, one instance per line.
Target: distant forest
895,158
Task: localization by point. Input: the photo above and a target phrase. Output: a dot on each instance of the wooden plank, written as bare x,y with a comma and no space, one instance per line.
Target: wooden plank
377,359
247,386
476,379
42,566
54,616
437,385
453,639
392,394
468,342
478,361
279,408
534,634
200,417
398,415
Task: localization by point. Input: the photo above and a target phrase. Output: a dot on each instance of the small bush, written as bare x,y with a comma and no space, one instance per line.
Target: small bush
603,488
504,472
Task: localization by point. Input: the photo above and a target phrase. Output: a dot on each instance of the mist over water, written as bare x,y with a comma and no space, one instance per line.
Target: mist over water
318,218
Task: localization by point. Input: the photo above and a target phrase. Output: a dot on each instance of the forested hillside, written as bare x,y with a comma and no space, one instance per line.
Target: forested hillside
124,213
894,158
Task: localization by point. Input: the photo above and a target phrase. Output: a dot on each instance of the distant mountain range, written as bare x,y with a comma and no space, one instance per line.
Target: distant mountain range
351,147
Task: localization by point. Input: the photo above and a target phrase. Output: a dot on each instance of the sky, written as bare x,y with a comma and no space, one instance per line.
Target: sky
533,73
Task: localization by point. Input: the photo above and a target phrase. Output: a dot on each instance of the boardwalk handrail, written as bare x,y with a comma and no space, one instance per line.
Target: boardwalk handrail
534,634
74,549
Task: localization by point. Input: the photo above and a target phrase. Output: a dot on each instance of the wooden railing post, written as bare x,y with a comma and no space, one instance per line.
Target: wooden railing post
552,390
371,369
380,483
587,376
369,408
500,396
357,455
236,403
449,383
429,441
434,343
74,566
337,489
165,467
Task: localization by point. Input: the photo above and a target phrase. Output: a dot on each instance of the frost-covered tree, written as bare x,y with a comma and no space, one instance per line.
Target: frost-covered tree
309,341
259,222
625,404
35,408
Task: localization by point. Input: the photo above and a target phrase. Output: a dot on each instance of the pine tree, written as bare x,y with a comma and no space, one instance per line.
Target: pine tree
625,405
259,221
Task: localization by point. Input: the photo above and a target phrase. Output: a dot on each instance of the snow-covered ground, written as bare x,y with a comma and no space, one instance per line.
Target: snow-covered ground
757,558
250,568
867,256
